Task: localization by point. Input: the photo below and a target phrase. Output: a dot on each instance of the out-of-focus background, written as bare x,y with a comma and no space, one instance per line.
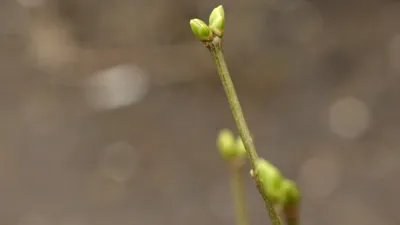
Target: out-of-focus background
110,109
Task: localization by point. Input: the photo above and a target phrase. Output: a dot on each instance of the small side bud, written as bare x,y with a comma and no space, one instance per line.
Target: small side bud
229,148
226,144
201,30
268,173
217,21
240,149
270,178
291,194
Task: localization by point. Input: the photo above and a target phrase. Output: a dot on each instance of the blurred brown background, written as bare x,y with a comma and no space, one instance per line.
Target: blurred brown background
110,109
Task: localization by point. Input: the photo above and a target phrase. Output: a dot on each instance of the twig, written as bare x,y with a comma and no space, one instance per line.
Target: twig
215,46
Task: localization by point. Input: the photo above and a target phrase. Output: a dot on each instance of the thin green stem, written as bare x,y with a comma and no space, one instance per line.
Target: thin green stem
238,190
216,49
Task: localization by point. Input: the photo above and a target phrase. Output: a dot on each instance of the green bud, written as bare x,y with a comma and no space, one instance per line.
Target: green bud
228,147
240,149
291,194
217,21
226,144
201,30
270,178
268,173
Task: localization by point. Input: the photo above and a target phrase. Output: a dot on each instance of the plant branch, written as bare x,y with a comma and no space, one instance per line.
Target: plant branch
216,49
215,46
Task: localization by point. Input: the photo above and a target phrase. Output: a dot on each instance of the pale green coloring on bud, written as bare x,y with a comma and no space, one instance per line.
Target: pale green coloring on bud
240,149
228,147
270,178
226,143
268,173
201,30
217,21
291,194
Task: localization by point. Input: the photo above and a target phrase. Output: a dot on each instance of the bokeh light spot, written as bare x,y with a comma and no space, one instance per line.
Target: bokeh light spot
116,87
349,117
320,176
